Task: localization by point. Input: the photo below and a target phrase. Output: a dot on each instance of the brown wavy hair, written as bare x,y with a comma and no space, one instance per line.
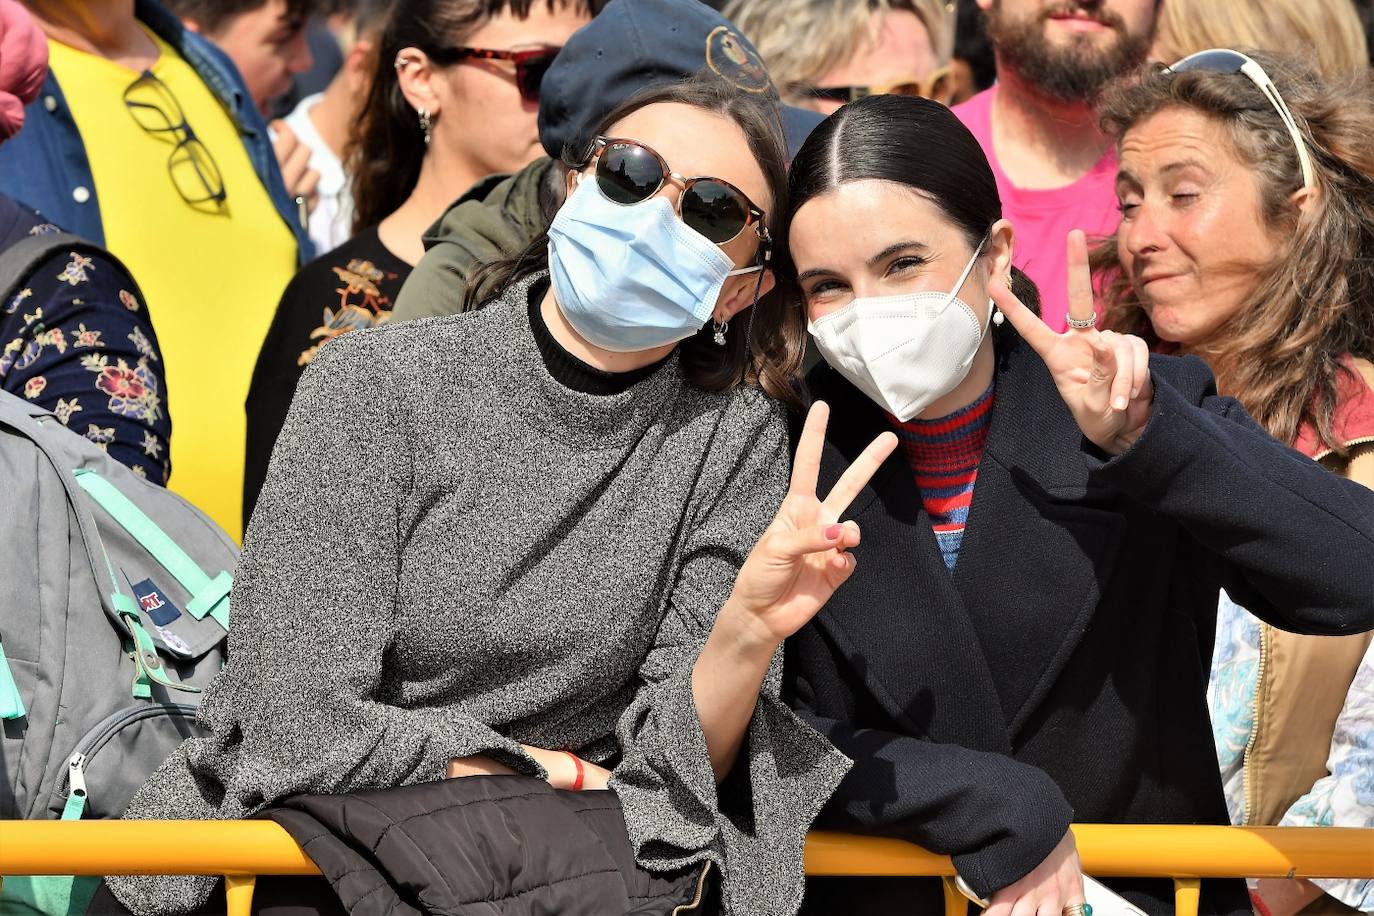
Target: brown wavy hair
388,146
764,346
1314,304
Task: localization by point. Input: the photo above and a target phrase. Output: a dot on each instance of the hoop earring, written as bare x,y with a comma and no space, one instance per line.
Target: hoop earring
721,327
426,125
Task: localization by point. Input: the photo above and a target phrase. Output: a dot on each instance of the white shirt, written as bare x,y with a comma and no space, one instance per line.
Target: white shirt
331,220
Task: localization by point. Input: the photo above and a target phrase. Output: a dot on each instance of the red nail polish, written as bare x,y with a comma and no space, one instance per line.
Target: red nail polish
833,532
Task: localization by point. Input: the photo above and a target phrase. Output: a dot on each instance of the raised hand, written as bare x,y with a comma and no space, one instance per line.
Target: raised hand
803,555
1103,377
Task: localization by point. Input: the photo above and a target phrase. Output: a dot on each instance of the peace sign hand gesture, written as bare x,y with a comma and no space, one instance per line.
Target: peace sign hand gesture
803,555
1103,376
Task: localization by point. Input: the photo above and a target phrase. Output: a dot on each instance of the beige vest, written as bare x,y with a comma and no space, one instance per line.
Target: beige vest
1303,682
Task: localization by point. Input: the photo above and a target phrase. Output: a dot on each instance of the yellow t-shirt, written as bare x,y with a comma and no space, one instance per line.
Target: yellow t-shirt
211,273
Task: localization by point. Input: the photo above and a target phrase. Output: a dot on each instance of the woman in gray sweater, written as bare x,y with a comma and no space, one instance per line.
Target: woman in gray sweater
489,537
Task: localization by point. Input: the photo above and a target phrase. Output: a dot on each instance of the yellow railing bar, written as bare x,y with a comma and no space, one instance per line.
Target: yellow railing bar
240,850
150,848
1137,851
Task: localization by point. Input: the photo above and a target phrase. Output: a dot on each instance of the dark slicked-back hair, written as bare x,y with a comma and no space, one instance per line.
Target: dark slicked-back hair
917,144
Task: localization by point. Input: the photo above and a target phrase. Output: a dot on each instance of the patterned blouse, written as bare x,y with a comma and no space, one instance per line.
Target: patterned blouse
76,339
1345,797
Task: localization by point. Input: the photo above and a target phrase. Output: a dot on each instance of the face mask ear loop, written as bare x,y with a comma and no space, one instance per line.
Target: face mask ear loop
968,269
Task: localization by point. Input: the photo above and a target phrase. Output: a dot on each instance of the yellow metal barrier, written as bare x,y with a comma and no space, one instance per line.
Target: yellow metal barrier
241,850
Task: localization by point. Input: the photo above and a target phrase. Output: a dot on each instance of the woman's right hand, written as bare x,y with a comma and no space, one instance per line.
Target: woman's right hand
803,555
1055,883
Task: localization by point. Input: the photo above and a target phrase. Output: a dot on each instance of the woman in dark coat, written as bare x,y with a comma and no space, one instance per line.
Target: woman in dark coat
1025,640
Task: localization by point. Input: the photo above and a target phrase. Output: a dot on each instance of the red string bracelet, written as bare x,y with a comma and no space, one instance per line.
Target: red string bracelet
581,773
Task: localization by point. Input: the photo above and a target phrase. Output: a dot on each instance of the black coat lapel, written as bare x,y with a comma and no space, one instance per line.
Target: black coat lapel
968,659
899,621
1041,540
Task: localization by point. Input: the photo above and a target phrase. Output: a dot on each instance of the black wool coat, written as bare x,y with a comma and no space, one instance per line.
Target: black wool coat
1059,673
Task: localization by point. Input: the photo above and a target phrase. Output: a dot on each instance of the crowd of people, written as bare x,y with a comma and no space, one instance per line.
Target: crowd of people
941,420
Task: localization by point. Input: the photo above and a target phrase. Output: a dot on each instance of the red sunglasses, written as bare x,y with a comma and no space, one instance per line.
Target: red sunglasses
530,65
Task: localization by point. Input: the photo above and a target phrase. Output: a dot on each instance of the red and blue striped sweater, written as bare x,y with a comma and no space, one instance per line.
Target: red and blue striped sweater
944,456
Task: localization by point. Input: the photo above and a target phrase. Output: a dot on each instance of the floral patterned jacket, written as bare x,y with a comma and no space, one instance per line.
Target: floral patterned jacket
77,340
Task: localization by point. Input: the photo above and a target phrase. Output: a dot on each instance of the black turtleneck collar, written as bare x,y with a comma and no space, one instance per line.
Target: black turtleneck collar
568,369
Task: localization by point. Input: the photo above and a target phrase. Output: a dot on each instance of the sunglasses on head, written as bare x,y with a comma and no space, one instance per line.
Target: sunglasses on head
530,65
1224,60
936,86
628,172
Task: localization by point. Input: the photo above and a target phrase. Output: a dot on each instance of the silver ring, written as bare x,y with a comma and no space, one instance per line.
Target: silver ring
1081,324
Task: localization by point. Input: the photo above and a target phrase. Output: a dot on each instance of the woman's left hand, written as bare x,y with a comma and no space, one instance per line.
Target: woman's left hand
803,555
1103,377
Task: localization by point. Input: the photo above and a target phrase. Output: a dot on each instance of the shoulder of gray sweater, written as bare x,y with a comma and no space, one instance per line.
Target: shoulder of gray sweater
405,346
397,356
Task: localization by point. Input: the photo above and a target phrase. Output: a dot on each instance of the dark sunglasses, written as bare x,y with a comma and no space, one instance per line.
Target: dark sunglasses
530,65
194,172
937,86
628,172
1224,60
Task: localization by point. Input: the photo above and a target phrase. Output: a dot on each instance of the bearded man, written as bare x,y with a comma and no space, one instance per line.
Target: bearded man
1055,170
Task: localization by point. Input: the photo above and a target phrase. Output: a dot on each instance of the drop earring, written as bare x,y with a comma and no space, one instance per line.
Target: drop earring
426,125
721,327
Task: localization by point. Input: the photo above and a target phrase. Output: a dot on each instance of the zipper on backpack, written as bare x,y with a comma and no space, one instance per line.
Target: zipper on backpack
76,788
96,739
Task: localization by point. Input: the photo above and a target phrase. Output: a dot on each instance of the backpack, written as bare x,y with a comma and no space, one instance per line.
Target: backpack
114,608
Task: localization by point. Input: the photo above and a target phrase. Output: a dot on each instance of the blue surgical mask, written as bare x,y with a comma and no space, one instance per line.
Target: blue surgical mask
631,278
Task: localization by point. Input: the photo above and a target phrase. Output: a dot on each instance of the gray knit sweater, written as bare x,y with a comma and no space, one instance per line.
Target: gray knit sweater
454,554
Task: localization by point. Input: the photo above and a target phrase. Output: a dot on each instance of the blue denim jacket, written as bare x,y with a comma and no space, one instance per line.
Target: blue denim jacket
45,164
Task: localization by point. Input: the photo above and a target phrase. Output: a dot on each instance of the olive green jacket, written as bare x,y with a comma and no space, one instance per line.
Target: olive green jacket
500,216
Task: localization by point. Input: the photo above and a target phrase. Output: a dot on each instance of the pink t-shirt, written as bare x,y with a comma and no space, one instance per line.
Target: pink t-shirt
1042,218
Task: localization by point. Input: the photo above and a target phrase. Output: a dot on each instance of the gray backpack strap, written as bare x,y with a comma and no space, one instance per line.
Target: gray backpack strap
22,258
118,605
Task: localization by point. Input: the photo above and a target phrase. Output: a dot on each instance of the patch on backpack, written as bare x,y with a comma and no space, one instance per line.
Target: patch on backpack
162,612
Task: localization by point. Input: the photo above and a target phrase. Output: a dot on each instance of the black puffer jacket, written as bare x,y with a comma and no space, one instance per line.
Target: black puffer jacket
478,846
508,845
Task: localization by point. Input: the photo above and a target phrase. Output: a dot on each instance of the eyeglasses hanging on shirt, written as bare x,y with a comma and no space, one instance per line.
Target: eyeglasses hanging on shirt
193,170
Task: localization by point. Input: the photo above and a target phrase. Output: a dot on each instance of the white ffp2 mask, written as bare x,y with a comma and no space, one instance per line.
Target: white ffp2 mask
905,351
